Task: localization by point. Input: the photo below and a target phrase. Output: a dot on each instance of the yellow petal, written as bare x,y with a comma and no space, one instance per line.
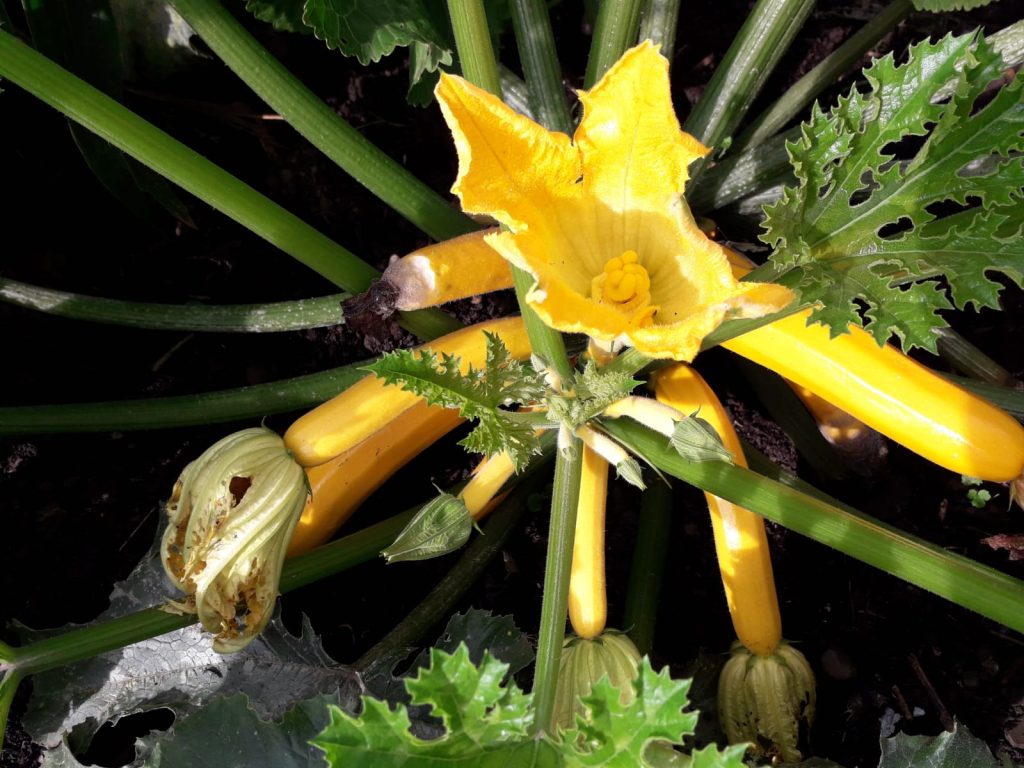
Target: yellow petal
509,166
634,153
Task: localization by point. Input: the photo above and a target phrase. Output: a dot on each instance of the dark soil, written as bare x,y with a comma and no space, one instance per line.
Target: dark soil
79,510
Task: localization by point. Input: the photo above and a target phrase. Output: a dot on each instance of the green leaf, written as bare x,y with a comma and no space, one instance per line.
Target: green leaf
592,390
696,440
441,526
479,394
284,15
371,29
945,6
864,229
615,735
956,749
486,722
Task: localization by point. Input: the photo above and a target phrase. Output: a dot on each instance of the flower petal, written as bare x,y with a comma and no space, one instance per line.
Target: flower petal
509,166
635,156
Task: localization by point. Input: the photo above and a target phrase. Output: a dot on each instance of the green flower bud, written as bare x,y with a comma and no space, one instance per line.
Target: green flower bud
231,516
611,654
764,700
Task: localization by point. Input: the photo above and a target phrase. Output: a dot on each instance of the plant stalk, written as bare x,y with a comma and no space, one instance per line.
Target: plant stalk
225,318
615,30
659,20
648,568
473,40
555,603
319,124
149,145
964,356
1010,399
756,49
824,75
539,56
969,584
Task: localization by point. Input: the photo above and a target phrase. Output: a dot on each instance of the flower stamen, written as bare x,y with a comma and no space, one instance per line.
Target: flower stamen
625,285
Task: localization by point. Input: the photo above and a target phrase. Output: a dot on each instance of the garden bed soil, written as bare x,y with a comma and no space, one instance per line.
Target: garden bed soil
80,510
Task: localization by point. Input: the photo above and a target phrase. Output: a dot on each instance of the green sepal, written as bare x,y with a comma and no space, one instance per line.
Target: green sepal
696,440
441,526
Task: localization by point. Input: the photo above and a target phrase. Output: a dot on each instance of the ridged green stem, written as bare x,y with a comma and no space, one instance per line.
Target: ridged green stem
615,31
473,40
659,20
319,124
185,410
964,356
555,603
756,49
226,318
149,145
648,567
955,578
824,75
539,57
443,597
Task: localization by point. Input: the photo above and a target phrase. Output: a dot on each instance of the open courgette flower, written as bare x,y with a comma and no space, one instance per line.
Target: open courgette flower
599,219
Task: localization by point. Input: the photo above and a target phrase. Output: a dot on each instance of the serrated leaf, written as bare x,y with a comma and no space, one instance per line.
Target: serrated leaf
478,394
945,6
956,749
284,15
371,29
486,721
616,735
592,390
696,440
864,231
178,670
441,526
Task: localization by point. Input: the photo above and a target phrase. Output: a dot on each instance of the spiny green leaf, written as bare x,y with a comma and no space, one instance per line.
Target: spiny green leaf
441,526
945,6
478,394
869,225
371,29
955,749
616,735
284,15
696,440
592,390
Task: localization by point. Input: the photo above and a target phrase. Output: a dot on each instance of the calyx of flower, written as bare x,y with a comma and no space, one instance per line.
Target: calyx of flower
584,662
230,518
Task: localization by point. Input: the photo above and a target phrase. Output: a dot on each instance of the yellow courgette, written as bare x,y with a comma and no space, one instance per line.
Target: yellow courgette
369,405
892,394
588,603
740,540
339,486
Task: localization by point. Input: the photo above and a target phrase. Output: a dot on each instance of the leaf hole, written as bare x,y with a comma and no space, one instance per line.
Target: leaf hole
896,228
114,744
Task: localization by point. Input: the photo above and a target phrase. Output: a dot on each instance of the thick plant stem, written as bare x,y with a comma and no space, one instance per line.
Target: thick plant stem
649,556
440,601
225,318
658,22
557,567
614,32
537,51
953,577
149,145
181,411
319,124
473,40
824,75
964,356
761,42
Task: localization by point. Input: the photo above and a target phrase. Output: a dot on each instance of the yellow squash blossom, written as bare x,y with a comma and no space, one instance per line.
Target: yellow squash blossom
599,219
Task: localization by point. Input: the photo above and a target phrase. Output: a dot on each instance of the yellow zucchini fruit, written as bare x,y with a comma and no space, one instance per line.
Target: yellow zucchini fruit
588,602
892,394
481,492
740,541
453,269
369,405
340,486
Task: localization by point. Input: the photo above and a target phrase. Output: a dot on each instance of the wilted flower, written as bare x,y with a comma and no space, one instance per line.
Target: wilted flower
599,220
231,516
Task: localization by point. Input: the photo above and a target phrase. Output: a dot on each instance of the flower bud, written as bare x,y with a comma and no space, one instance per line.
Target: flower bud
231,516
765,699
584,662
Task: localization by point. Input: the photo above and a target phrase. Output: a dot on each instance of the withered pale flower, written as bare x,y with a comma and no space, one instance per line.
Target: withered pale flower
231,516
599,219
